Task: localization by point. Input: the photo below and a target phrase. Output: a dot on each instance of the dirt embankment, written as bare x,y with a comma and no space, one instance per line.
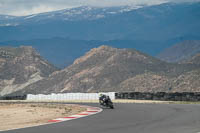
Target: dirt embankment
19,115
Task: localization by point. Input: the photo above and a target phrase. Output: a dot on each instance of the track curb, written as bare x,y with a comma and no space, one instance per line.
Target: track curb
90,111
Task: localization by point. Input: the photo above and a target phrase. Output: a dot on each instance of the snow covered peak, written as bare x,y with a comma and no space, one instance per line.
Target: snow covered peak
81,13
73,14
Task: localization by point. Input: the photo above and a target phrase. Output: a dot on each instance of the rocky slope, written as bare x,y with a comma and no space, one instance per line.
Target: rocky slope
187,82
181,51
111,69
20,67
193,60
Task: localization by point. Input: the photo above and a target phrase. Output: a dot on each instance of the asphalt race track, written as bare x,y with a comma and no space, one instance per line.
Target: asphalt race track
130,118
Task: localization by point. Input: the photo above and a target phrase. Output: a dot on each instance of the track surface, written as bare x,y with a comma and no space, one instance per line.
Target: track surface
130,118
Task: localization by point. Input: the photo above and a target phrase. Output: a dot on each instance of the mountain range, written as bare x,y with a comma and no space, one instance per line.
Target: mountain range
112,69
164,22
150,29
74,14
127,48
63,51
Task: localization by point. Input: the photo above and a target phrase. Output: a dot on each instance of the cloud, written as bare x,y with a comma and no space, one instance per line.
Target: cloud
33,10
27,7
122,2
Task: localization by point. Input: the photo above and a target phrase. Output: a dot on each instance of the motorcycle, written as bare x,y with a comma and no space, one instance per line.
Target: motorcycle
106,103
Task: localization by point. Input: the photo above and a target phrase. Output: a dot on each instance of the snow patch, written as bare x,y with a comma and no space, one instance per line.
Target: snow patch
112,12
51,16
31,16
130,8
100,16
8,24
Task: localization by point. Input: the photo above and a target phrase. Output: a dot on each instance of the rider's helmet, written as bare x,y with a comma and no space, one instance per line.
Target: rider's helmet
101,95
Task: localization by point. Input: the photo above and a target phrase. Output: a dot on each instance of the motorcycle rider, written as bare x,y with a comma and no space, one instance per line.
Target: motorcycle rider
104,99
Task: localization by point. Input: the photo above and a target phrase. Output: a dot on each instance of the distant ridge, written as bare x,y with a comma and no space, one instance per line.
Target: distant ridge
179,21
181,51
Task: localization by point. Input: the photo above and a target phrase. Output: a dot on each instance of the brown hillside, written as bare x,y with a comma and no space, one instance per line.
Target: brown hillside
20,67
111,69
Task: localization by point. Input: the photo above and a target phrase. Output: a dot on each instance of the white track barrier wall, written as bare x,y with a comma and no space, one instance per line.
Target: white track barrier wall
70,96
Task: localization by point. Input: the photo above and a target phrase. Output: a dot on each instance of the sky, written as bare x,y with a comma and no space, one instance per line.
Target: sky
28,7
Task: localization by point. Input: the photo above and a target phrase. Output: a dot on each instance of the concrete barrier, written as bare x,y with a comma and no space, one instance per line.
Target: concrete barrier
69,96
